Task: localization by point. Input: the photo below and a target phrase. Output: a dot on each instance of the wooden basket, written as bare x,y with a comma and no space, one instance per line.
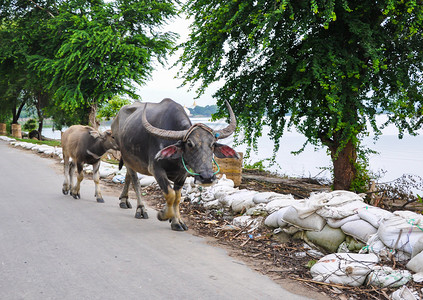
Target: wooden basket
3,130
16,131
231,167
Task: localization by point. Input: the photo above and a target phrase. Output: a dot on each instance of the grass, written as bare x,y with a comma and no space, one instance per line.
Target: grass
49,143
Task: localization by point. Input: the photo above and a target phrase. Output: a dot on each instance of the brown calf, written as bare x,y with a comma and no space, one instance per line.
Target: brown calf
83,144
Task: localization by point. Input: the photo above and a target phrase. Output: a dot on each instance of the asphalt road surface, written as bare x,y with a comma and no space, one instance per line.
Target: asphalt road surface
55,247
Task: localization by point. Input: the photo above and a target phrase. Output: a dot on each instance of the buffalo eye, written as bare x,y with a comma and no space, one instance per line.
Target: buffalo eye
190,144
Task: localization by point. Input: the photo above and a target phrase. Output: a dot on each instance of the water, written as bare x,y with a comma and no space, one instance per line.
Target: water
396,157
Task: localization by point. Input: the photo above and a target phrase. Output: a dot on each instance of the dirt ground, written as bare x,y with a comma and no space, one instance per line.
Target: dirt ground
278,256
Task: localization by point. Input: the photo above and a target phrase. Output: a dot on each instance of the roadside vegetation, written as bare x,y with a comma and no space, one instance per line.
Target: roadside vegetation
331,66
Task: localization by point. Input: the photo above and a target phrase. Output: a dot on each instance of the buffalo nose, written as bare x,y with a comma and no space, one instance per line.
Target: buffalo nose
206,177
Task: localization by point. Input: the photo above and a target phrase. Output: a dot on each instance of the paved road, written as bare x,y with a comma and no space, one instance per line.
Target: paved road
55,247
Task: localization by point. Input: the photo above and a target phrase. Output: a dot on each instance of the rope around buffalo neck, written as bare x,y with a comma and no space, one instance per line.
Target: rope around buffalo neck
194,174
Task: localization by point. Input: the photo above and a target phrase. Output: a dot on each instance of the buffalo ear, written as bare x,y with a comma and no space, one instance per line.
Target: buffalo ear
223,151
95,134
170,152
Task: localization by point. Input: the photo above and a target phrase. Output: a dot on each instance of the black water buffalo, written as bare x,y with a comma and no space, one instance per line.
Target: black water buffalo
84,145
159,139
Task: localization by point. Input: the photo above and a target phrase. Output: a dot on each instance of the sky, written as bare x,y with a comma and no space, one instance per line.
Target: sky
163,83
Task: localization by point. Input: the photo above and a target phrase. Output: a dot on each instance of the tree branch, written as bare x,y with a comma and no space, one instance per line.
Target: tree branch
42,8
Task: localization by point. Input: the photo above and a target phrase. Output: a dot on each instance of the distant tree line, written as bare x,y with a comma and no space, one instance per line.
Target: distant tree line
203,111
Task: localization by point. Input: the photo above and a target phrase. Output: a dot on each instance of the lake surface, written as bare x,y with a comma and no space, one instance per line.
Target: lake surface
395,156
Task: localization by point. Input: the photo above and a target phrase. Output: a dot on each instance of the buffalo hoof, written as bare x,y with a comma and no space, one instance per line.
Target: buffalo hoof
178,226
125,204
75,196
65,192
141,213
100,200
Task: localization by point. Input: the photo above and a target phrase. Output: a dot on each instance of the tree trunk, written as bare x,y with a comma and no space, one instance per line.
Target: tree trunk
17,113
92,118
344,169
40,113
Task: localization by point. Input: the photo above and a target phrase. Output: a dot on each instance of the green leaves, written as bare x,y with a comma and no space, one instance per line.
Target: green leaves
86,52
331,65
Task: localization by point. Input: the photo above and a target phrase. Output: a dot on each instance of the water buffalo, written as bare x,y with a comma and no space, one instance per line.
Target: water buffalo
159,139
84,145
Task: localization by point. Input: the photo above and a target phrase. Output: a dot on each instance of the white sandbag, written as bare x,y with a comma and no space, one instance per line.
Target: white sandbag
418,247
416,219
88,168
418,277
118,179
277,204
416,263
323,201
211,204
404,293
344,268
28,146
58,151
6,139
336,223
342,210
264,197
376,246
359,229
311,222
107,170
257,210
190,181
383,276
204,194
147,180
241,200
227,198
275,219
399,233
267,197
223,181
374,215
328,238
220,191
44,148
240,205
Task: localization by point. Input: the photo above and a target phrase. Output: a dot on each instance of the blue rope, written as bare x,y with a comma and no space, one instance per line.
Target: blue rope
194,174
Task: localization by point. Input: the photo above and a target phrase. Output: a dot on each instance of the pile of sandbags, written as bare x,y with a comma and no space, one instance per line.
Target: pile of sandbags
223,194
339,222
6,139
45,149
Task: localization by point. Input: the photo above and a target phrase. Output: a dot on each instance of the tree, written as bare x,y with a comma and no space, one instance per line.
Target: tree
110,109
332,65
74,56
22,33
102,48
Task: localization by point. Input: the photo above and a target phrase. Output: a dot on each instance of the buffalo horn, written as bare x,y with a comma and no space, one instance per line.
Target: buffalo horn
227,131
161,133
